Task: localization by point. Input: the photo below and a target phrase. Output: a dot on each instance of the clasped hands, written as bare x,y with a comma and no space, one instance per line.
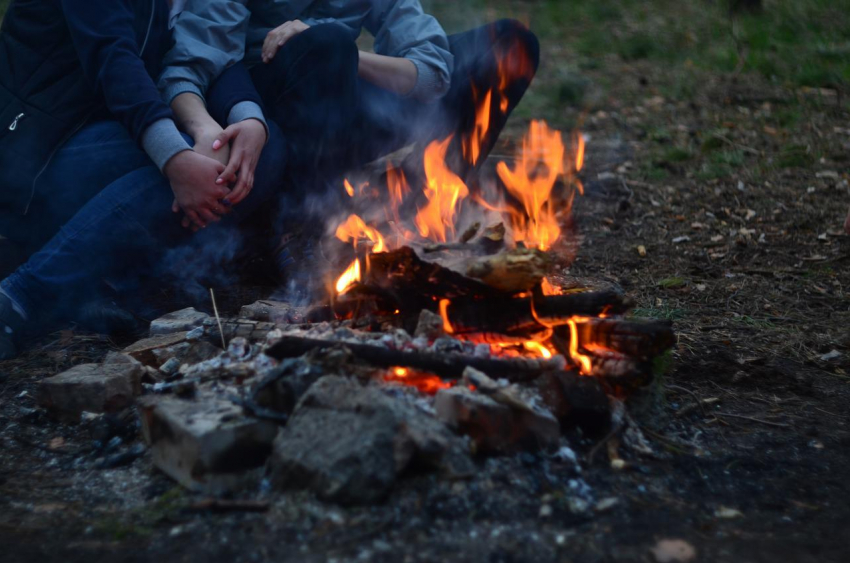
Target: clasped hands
218,174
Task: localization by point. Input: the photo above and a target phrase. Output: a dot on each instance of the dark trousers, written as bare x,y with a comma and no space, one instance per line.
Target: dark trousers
127,229
334,121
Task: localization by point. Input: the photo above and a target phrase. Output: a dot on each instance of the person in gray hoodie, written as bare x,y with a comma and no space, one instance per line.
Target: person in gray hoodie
340,107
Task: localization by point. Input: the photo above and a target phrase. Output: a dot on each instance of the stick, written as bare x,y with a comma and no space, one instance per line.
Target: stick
218,320
448,366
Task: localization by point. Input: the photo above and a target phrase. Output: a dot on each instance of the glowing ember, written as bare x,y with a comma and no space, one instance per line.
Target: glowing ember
538,349
354,228
472,144
350,277
424,382
444,192
349,189
582,360
540,164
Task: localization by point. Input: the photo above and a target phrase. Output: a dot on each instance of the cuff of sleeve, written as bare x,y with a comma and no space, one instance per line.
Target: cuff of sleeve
173,90
247,110
430,84
162,140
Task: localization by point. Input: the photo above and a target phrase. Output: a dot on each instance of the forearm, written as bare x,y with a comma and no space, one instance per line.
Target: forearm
395,74
192,116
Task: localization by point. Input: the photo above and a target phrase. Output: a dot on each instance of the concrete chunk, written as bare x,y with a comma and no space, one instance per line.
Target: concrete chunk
206,444
178,321
495,427
348,443
273,312
108,387
157,350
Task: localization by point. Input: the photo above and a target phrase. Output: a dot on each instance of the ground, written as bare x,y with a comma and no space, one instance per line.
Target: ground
717,185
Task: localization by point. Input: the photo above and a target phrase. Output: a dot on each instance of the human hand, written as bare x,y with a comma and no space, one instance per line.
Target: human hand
277,38
193,181
205,138
247,139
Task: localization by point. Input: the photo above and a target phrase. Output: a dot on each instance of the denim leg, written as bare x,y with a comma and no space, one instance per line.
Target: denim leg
98,154
128,229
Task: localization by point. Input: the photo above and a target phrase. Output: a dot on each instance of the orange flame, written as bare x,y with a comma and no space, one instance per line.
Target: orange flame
445,191
541,162
348,278
549,289
349,189
397,185
581,359
472,145
579,152
354,228
444,312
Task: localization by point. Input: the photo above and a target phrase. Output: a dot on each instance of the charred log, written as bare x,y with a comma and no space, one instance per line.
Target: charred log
639,340
447,366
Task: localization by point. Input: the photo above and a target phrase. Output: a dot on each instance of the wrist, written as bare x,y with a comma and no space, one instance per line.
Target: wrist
174,162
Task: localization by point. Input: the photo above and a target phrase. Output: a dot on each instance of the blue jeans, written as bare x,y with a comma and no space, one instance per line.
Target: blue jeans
77,172
127,229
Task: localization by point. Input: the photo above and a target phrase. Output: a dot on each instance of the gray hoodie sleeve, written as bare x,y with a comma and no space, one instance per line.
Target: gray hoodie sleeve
209,36
403,29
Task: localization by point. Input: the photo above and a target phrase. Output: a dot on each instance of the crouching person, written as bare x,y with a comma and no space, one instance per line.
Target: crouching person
93,168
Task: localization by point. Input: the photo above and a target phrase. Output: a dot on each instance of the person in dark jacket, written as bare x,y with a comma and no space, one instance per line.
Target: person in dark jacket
77,100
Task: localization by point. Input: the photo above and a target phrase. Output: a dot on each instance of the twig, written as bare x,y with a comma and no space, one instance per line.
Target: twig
218,320
777,424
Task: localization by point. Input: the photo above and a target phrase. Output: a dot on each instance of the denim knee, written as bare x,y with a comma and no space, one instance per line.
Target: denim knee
518,39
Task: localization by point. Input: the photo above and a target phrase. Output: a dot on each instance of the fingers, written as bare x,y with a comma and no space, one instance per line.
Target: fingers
175,208
195,222
277,38
245,183
228,176
223,138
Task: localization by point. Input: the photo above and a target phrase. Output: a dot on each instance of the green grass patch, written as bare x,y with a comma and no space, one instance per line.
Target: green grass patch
674,282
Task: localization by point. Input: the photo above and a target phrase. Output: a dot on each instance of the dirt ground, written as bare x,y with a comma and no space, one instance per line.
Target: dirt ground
735,191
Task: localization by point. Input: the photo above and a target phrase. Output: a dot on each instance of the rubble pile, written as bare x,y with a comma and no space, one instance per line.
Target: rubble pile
333,418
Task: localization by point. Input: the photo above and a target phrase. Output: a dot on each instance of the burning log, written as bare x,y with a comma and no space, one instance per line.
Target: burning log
403,271
448,366
509,319
558,309
639,340
513,271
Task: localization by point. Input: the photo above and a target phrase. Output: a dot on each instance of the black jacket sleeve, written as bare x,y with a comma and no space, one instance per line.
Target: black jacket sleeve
233,86
104,36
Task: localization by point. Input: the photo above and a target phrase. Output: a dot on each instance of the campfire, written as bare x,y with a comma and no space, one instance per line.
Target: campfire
445,329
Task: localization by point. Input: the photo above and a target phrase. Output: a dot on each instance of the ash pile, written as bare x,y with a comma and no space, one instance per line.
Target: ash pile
347,408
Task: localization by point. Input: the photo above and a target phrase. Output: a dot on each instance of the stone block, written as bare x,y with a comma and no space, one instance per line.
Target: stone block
107,387
206,444
348,443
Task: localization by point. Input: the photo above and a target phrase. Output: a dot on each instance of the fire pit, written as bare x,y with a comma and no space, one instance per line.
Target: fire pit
450,334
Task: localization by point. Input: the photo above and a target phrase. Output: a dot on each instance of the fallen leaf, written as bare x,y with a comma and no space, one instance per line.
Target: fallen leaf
673,551
641,250
56,443
677,240
728,513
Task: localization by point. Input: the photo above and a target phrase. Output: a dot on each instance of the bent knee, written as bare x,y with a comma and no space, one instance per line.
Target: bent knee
331,41
518,41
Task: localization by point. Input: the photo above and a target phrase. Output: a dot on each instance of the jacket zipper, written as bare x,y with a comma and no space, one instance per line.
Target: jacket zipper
14,124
